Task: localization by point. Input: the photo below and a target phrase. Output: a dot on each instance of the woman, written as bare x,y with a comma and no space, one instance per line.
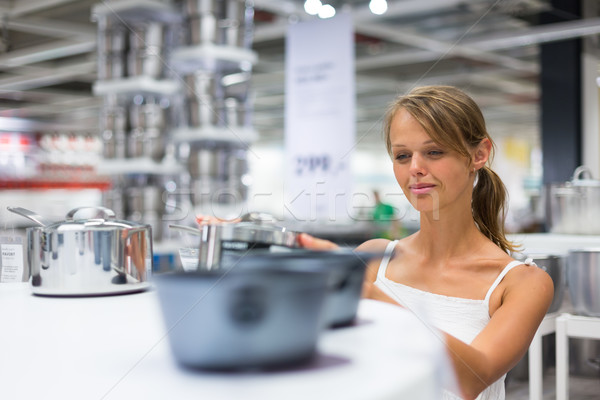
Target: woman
457,266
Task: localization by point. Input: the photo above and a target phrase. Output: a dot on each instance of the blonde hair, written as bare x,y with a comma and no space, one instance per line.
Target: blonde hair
453,120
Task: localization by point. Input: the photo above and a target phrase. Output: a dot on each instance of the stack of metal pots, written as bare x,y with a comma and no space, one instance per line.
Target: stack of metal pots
202,98
146,44
113,125
147,122
112,44
219,174
219,22
131,50
135,130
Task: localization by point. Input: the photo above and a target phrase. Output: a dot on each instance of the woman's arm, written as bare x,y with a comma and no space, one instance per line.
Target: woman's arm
370,290
503,342
312,243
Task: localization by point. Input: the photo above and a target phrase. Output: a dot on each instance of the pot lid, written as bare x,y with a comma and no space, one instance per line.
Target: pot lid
253,232
578,179
103,219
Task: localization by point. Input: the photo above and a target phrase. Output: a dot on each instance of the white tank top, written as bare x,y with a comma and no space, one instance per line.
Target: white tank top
460,317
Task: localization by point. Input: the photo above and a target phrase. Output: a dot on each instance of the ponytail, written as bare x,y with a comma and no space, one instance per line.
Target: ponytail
489,208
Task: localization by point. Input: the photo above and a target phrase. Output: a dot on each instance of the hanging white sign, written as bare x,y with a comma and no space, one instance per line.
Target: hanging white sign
319,119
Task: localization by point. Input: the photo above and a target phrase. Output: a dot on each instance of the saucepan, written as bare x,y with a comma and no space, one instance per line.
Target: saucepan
584,280
345,271
242,318
87,256
573,206
217,242
555,266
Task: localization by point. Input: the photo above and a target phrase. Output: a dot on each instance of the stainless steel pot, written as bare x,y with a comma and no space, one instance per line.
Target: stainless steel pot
345,275
583,277
200,85
203,112
148,142
235,112
555,266
242,318
574,206
148,115
112,40
197,7
114,144
203,29
87,257
147,34
111,66
218,241
145,62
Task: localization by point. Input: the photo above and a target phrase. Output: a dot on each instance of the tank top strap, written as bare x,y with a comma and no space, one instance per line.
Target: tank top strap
502,274
387,256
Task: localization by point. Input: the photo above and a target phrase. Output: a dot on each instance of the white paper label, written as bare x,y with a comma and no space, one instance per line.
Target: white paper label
319,119
11,260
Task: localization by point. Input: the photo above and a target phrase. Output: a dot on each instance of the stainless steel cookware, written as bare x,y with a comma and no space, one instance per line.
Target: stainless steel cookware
148,142
145,62
235,112
111,66
197,7
88,256
583,277
200,84
242,318
555,266
573,207
345,271
147,34
114,144
202,112
203,29
112,40
147,115
218,241
113,118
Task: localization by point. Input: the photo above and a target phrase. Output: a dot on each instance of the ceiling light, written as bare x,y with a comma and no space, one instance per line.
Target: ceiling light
312,7
378,6
326,11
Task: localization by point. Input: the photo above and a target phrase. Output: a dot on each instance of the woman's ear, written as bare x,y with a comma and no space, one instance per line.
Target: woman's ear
482,153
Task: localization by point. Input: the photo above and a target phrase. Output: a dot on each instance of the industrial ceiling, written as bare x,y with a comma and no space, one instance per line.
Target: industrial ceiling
488,47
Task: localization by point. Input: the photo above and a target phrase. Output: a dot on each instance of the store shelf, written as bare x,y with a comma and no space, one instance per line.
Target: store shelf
136,10
210,56
139,166
35,184
218,134
136,85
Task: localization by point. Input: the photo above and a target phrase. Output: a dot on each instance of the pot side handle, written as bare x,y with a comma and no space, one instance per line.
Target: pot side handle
30,215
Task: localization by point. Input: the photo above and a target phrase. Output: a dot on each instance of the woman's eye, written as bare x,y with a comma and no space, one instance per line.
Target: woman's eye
435,153
402,156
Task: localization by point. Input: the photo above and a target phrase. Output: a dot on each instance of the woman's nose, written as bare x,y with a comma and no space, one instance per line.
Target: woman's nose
417,165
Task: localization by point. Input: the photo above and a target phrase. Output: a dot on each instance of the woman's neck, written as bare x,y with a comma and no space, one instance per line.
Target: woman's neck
445,234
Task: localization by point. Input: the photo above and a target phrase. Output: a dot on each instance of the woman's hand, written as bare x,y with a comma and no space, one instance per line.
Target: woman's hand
210,220
312,243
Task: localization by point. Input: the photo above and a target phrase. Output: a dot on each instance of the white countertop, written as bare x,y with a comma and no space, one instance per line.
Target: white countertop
115,347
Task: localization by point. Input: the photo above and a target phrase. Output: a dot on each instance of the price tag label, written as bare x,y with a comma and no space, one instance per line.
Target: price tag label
11,259
320,119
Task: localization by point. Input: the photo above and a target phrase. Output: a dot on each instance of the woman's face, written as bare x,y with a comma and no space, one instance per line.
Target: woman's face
432,177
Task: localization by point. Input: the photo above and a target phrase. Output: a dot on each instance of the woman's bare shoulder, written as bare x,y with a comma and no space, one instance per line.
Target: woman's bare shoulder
373,245
376,246
528,276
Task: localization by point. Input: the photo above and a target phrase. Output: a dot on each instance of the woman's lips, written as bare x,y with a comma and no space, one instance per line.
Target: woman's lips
421,188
